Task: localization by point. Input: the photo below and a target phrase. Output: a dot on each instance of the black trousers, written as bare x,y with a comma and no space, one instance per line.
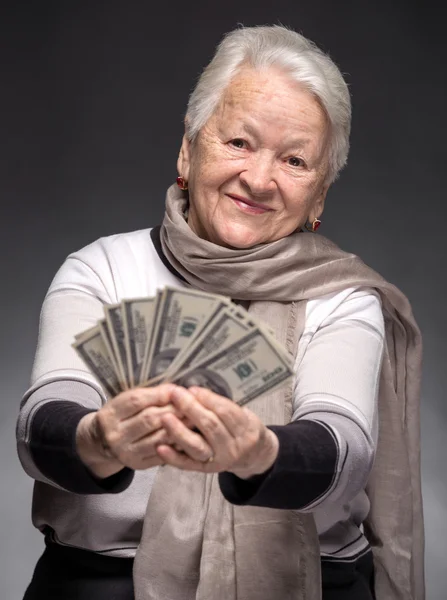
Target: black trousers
70,574
348,581
64,573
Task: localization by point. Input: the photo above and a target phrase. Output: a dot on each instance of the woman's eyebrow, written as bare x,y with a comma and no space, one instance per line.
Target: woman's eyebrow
298,143
295,142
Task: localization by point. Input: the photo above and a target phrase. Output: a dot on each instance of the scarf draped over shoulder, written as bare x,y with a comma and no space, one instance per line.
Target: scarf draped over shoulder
197,546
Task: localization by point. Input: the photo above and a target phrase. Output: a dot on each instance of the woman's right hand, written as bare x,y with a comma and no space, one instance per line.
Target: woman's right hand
125,431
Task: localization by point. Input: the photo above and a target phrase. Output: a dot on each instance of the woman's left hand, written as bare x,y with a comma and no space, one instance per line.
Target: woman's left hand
233,438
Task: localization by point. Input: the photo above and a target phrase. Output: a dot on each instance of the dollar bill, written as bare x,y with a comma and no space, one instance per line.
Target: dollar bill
188,337
102,324
114,319
181,313
138,323
92,348
246,369
145,366
228,326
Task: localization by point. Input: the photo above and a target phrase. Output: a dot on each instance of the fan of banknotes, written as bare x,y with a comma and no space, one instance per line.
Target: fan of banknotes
186,337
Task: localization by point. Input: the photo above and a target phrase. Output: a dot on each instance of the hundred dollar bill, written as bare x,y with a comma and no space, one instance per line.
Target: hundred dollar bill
139,316
251,366
181,313
102,324
106,337
265,327
224,329
92,348
114,320
145,365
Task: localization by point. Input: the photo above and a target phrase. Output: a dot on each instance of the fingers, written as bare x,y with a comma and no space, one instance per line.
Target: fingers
143,453
145,422
208,423
146,447
129,426
250,449
137,423
133,401
193,444
169,456
233,416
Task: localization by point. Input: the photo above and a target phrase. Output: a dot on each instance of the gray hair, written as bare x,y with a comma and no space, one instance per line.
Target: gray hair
263,47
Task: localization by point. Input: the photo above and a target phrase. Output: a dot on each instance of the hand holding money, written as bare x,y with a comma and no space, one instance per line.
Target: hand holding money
192,339
186,337
237,440
127,430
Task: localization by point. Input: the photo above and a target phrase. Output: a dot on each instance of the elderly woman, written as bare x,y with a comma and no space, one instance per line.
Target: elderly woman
279,499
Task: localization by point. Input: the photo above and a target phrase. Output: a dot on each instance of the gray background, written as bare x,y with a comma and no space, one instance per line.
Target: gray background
92,96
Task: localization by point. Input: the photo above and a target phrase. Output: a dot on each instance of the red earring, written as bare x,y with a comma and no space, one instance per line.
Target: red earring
183,185
315,225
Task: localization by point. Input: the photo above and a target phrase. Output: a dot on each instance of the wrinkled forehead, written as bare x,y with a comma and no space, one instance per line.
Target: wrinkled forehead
268,84
275,97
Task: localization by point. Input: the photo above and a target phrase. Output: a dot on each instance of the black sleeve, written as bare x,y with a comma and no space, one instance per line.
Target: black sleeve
304,470
53,448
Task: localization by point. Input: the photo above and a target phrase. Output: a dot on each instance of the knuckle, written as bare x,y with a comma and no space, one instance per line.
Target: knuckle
149,420
134,399
209,424
202,446
203,455
221,411
148,445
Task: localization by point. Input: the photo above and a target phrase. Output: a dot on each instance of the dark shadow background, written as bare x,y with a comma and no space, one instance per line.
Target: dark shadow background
92,96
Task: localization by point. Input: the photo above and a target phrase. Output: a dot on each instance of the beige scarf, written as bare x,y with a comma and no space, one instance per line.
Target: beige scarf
197,546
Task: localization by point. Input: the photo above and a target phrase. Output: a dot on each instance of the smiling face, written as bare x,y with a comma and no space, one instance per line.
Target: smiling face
256,171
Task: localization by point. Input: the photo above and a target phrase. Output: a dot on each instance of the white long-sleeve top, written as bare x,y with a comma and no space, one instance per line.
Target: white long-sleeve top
337,372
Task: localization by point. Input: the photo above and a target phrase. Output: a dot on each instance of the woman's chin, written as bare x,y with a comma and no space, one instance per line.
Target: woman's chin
239,238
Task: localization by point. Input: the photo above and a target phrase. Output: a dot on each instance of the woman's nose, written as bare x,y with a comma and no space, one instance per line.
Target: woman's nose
258,174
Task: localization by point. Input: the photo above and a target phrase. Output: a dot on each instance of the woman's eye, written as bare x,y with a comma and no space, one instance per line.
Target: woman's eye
238,143
294,161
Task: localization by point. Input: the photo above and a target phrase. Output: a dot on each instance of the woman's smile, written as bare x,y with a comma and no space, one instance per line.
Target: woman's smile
249,206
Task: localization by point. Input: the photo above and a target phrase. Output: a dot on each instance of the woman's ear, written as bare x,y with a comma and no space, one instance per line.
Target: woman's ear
184,159
318,205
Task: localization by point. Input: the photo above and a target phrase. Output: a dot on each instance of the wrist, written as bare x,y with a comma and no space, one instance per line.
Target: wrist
265,459
92,451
